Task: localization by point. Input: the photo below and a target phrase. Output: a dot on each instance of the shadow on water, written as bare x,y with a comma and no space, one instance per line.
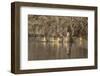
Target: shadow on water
56,50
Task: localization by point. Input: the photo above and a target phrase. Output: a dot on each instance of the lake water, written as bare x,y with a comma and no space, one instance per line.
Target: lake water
38,50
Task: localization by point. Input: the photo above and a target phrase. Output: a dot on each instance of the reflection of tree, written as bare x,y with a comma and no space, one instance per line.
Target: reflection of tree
57,25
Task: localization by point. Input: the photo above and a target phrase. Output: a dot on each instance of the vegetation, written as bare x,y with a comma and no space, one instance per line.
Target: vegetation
57,26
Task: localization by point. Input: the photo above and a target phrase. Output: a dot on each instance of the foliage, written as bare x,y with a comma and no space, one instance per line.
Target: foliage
57,25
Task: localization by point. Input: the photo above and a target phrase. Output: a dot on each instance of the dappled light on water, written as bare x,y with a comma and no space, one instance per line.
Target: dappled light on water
48,50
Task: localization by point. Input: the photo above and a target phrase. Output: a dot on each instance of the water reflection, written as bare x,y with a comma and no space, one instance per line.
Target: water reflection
43,50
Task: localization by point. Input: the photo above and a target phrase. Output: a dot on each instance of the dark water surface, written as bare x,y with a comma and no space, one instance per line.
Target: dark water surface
57,50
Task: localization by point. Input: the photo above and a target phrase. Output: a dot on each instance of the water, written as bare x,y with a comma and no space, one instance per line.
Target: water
38,50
